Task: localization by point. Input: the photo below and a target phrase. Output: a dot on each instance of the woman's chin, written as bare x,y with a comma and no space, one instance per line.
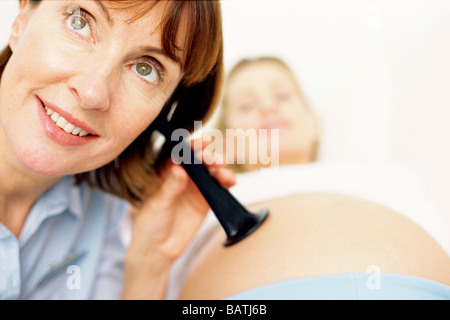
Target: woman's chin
44,170
44,164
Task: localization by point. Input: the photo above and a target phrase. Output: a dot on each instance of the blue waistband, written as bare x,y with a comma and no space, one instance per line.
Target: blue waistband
350,286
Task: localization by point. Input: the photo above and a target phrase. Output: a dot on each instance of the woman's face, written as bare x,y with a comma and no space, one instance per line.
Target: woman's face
264,95
82,84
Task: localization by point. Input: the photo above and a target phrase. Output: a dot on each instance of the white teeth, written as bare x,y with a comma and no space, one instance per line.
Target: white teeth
61,122
64,124
55,116
69,127
76,131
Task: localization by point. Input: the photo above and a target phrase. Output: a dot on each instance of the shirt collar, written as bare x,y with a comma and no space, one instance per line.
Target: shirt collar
75,202
63,195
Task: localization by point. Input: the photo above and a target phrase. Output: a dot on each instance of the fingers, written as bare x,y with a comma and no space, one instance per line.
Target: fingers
172,187
209,156
225,177
199,144
175,184
214,161
174,179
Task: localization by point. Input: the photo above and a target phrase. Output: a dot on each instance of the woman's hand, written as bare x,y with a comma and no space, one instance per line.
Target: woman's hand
163,227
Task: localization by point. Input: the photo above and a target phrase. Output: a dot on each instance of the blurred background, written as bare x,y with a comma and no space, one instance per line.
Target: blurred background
376,72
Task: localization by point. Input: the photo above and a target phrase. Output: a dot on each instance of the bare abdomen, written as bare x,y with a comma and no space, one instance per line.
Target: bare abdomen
312,235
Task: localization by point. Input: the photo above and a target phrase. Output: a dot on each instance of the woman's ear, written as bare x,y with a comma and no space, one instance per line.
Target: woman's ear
19,24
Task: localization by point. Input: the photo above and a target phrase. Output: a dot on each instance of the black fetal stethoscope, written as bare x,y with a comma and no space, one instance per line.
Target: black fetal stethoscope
236,220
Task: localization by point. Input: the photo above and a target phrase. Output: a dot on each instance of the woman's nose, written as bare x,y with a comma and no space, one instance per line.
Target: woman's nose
268,105
93,89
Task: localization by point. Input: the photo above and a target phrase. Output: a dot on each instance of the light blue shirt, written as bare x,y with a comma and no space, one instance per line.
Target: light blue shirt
69,247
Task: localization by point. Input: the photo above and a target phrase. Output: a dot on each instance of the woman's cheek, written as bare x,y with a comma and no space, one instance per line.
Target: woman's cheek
241,120
142,101
45,59
138,107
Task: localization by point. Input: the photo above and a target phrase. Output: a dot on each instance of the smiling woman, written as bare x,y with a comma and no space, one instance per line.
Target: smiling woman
171,60
81,83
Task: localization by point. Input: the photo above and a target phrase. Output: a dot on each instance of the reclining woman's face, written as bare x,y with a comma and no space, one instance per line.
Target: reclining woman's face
264,95
82,84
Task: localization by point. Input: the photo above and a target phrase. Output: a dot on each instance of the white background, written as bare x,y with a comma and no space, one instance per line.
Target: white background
376,72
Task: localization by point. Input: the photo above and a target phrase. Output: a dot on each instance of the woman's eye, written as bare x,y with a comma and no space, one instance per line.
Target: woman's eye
78,21
146,71
80,25
247,106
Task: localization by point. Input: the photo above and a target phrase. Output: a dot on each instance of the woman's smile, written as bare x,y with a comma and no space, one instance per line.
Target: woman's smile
274,123
82,99
62,127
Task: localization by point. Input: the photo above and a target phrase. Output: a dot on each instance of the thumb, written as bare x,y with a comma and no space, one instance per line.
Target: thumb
172,187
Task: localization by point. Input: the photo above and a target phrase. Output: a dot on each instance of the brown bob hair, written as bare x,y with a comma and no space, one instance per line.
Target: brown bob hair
132,174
